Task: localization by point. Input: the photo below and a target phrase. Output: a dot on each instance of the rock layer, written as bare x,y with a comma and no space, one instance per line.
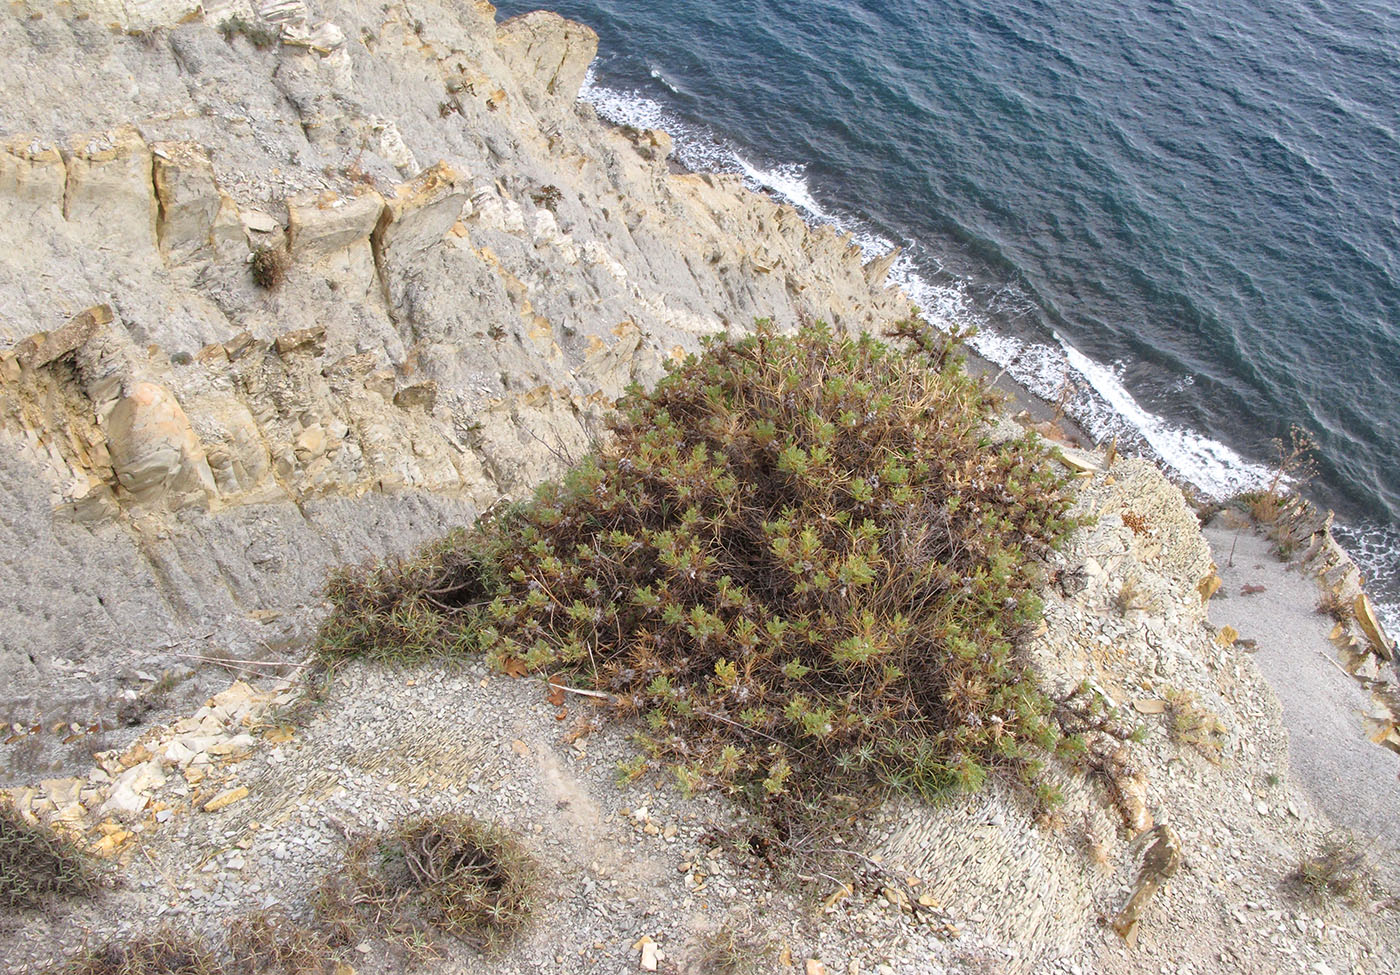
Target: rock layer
474,268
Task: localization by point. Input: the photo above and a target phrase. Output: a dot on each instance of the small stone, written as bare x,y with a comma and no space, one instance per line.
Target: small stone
815,967
226,798
650,954
259,222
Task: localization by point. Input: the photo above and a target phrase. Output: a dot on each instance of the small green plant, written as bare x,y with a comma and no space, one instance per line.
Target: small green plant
38,864
261,36
163,952
1338,869
631,769
269,267
1194,725
449,873
797,565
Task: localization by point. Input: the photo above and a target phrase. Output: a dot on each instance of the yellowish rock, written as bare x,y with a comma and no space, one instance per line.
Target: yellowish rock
226,798
1371,626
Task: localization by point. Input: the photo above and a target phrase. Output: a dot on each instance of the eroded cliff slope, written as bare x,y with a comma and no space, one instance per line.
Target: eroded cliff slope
474,268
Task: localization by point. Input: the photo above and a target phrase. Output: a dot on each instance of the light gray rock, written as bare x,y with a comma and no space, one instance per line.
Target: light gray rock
478,267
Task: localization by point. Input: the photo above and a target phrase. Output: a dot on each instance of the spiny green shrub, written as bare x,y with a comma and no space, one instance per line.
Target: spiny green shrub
797,562
37,863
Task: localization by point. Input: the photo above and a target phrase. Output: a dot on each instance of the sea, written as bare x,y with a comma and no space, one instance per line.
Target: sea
1179,219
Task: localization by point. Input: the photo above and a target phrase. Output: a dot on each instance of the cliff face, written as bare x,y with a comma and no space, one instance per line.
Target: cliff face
474,268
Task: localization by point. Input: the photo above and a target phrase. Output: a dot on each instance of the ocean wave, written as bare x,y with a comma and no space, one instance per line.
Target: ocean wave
789,183
661,77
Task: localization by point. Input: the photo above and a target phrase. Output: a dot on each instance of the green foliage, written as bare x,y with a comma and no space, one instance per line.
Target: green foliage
797,561
37,864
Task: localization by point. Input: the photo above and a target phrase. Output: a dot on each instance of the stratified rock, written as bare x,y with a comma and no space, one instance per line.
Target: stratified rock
322,224
188,197
109,190
551,56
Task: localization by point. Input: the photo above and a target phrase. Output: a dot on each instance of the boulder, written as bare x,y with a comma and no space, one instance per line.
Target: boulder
420,212
550,55
154,450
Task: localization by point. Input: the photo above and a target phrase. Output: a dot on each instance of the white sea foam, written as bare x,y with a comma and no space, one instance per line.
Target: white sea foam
789,183
659,76
1209,464
1376,549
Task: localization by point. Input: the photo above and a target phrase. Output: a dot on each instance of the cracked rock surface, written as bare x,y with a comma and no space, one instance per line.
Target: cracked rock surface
473,269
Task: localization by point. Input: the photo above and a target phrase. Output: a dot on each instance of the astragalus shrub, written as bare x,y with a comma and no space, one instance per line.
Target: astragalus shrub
798,564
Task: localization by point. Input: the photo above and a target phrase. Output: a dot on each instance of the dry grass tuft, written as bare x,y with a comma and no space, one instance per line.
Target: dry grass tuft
1131,596
268,942
1295,465
733,951
1193,725
449,873
165,952
38,864
1334,605
269,267
1339,869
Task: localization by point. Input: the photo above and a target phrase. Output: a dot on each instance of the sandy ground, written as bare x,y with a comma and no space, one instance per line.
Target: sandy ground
1355,782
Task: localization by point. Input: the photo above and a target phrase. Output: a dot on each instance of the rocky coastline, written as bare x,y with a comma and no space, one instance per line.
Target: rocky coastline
290,285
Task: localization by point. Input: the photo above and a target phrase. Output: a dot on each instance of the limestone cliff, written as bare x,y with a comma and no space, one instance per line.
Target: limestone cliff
475,268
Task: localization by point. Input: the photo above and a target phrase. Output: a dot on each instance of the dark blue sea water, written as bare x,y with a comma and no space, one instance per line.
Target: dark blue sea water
1187,211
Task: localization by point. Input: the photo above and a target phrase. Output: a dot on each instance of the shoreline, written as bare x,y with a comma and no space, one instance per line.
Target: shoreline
1156,437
